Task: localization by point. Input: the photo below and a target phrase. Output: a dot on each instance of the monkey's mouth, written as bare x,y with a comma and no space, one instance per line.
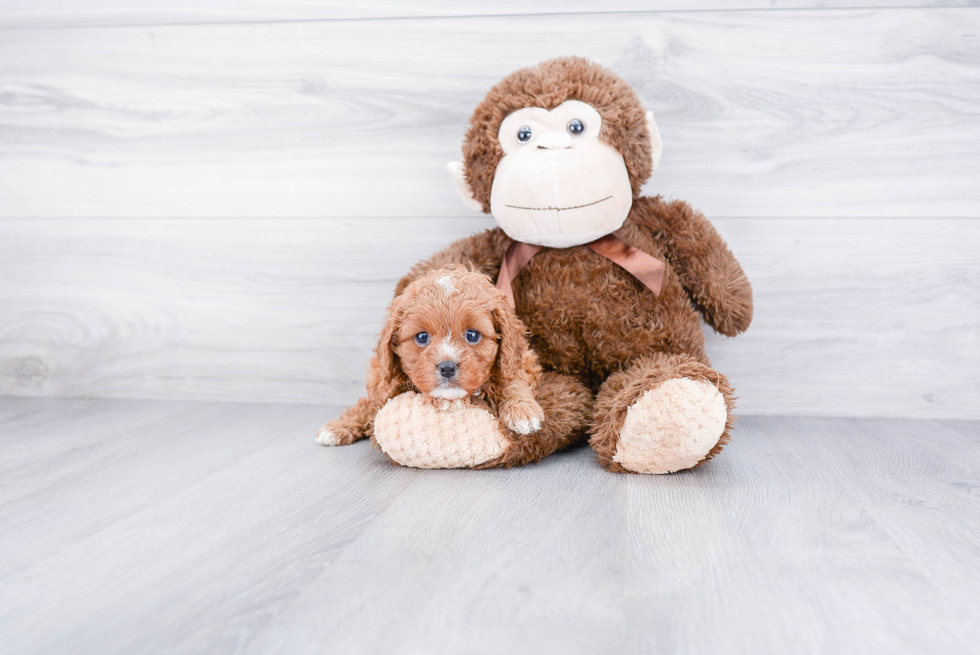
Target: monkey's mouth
560,209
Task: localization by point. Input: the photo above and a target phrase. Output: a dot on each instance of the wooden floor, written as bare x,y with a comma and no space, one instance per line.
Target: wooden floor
139,527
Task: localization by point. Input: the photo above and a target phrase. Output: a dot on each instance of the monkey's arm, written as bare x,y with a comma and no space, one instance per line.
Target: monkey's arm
484,251
706,267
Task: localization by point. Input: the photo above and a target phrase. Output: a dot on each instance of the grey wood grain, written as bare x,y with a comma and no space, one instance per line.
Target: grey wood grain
770,549
806,535
30,14
780,113
170,515
73,450
967,428
854,317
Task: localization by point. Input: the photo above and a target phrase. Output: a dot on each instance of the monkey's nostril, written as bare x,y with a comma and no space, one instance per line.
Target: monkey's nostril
447,369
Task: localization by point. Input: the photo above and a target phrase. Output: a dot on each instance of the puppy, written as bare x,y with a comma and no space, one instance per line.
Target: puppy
453,337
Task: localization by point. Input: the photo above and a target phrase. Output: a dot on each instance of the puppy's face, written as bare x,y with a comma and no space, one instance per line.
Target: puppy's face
447,339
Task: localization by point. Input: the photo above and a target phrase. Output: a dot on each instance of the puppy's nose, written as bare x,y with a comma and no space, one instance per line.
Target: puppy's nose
447,369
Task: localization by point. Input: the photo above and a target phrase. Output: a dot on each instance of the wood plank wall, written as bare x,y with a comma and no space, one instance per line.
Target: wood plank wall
212,200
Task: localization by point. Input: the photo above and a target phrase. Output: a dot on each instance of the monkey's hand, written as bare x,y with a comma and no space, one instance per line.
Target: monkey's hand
522,416
704,265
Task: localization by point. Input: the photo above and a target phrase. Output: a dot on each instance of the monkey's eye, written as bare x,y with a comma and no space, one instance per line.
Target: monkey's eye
524,134
473,337
575,127
422,339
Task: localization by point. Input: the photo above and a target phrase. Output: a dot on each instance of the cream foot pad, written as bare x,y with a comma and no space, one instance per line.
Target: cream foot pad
671,427
414,431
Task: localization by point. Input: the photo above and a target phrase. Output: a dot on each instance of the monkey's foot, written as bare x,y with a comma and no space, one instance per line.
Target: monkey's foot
671,427
415,431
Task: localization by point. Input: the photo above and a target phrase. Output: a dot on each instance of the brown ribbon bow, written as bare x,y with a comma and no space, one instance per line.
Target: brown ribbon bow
646,268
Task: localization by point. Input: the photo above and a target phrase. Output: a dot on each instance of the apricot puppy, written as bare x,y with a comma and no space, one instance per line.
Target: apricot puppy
451,336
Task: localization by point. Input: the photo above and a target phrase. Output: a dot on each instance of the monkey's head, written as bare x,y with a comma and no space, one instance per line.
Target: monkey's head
557,152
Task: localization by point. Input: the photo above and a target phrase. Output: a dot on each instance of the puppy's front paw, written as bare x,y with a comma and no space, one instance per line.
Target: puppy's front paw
336,433
327,438
523,416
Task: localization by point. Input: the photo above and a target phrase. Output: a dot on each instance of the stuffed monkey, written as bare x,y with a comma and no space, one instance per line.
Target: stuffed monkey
611,285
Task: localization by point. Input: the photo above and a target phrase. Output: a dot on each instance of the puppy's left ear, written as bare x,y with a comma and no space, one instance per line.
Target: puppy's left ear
516,362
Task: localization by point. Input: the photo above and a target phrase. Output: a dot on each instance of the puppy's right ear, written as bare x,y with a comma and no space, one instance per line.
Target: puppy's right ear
386,379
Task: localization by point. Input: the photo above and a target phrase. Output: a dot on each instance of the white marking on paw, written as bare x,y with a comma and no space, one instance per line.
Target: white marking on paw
525,426
452,393
326,438
446,282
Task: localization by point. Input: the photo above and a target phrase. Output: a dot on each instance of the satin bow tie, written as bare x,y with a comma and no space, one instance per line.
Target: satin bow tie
646,268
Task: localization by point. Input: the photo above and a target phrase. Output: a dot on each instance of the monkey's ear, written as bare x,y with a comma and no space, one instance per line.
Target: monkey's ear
455,169
656,143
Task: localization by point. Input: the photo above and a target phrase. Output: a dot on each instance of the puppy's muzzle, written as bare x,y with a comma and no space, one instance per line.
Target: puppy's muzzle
447,369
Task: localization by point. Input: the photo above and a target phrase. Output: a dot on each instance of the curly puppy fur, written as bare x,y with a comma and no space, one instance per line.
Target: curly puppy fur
499,369
588,318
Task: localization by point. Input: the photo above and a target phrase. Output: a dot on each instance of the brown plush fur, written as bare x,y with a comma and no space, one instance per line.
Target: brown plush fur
500,369
588,318
567,406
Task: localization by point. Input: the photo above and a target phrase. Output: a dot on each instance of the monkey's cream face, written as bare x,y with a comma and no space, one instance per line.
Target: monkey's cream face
558,185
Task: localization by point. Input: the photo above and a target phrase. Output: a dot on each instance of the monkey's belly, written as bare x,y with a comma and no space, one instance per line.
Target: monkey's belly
587,315
414,431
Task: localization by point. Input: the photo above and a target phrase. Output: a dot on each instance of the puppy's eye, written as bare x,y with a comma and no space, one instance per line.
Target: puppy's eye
524,134
422,339
473,337
575,127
